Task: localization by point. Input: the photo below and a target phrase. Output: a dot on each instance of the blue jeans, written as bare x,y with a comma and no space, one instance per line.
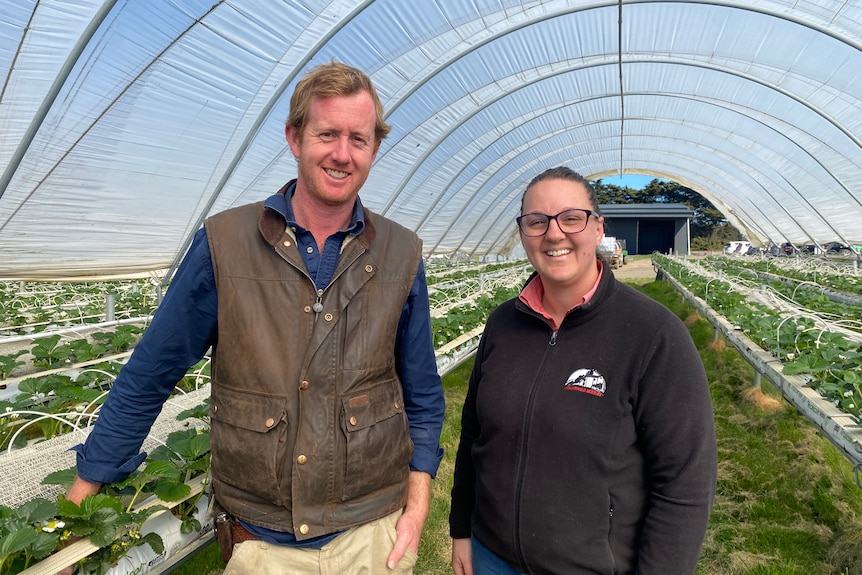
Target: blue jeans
486,563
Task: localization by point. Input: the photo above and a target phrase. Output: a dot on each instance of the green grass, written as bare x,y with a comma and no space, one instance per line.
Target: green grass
787,502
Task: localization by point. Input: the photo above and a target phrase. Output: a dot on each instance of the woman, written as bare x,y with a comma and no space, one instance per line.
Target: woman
587,438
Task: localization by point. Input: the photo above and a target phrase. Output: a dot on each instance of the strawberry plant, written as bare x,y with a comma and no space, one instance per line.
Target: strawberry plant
119,340
82,350
9,362
807,343
35,529
48,353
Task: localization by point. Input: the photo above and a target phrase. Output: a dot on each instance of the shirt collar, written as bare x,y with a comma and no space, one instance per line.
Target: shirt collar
533,292
281,203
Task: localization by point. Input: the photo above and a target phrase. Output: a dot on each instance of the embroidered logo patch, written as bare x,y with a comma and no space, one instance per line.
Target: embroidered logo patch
588,381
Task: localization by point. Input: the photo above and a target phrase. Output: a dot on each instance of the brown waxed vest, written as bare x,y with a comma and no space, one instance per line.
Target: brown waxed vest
308,429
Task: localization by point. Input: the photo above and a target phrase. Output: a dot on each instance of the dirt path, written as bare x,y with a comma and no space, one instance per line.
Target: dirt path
636,268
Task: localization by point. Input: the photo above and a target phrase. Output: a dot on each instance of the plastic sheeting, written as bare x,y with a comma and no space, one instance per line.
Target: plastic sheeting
123,124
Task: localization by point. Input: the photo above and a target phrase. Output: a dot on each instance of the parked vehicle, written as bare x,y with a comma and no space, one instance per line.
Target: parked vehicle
738,248
788,249
612,250
838,248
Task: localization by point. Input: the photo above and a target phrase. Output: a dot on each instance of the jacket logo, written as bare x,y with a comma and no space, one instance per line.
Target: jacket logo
588,381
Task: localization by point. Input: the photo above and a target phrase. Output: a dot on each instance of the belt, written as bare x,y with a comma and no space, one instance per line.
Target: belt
240,533
229,532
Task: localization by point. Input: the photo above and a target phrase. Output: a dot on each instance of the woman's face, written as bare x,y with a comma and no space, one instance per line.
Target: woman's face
563,260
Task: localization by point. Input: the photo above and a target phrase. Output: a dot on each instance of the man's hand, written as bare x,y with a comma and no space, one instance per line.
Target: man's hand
408,529
76,494
462,556
80,489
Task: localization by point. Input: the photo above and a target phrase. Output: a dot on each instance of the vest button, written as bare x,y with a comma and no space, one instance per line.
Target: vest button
287,243
353,421
301,459
215,408
328,317
369,268
307,309
397,404
270,422
303,528
304,384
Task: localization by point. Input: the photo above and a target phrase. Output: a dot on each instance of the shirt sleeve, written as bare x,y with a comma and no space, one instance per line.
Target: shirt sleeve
178,337
417,368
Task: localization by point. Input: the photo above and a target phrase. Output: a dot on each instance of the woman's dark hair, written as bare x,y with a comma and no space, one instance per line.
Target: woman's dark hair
564,173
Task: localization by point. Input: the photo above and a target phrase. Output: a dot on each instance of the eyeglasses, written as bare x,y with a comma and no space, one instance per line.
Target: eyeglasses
570,221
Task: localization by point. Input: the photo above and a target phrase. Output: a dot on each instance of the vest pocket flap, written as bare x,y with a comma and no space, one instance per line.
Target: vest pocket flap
246,409
365,408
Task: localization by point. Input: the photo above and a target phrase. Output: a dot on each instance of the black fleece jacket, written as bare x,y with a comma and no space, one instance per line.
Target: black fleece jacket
590,450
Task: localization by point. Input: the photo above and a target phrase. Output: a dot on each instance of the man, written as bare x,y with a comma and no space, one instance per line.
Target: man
326,405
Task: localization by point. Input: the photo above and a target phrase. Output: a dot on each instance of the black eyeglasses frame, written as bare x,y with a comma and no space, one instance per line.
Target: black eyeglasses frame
555,217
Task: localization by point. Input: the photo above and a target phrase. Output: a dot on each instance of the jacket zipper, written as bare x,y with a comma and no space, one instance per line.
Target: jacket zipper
526,440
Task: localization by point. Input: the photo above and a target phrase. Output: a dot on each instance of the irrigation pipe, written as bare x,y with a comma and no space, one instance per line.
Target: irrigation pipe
74,330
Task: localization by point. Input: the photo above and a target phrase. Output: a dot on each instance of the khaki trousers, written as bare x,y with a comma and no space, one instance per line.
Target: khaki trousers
361,550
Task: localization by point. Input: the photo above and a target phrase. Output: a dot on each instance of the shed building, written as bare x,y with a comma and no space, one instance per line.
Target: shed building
648,228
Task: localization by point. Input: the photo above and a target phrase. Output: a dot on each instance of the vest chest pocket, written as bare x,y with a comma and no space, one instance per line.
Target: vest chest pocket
371,324
244,438
377,438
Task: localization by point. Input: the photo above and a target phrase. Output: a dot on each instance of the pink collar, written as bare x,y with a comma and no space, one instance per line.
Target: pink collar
533,292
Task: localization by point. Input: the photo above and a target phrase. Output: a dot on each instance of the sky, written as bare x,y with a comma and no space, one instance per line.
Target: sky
633,181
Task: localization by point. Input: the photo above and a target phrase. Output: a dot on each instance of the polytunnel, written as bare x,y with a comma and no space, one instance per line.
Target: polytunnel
123,124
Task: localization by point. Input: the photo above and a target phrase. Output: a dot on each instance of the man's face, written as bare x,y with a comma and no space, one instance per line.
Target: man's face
335,149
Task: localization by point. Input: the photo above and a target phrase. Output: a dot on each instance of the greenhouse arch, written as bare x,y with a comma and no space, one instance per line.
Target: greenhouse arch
126,124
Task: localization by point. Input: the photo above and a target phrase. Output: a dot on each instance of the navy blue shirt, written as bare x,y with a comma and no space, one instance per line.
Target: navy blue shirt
183,329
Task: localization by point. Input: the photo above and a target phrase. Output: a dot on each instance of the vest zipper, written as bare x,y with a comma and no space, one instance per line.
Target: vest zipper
318,304
553,339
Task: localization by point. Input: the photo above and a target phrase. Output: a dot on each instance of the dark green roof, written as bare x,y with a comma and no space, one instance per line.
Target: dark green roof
643,211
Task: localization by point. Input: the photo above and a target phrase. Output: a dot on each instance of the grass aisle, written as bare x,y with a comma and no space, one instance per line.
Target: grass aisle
787,502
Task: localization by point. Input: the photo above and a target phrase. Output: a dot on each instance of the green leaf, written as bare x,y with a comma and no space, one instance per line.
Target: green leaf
154,541
140,516
106,522
17,541
202,464
37,510
163,469
64,477
801,365
90,504
44,544
170,491
198,412
190,525
198,446
100,502
137,481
